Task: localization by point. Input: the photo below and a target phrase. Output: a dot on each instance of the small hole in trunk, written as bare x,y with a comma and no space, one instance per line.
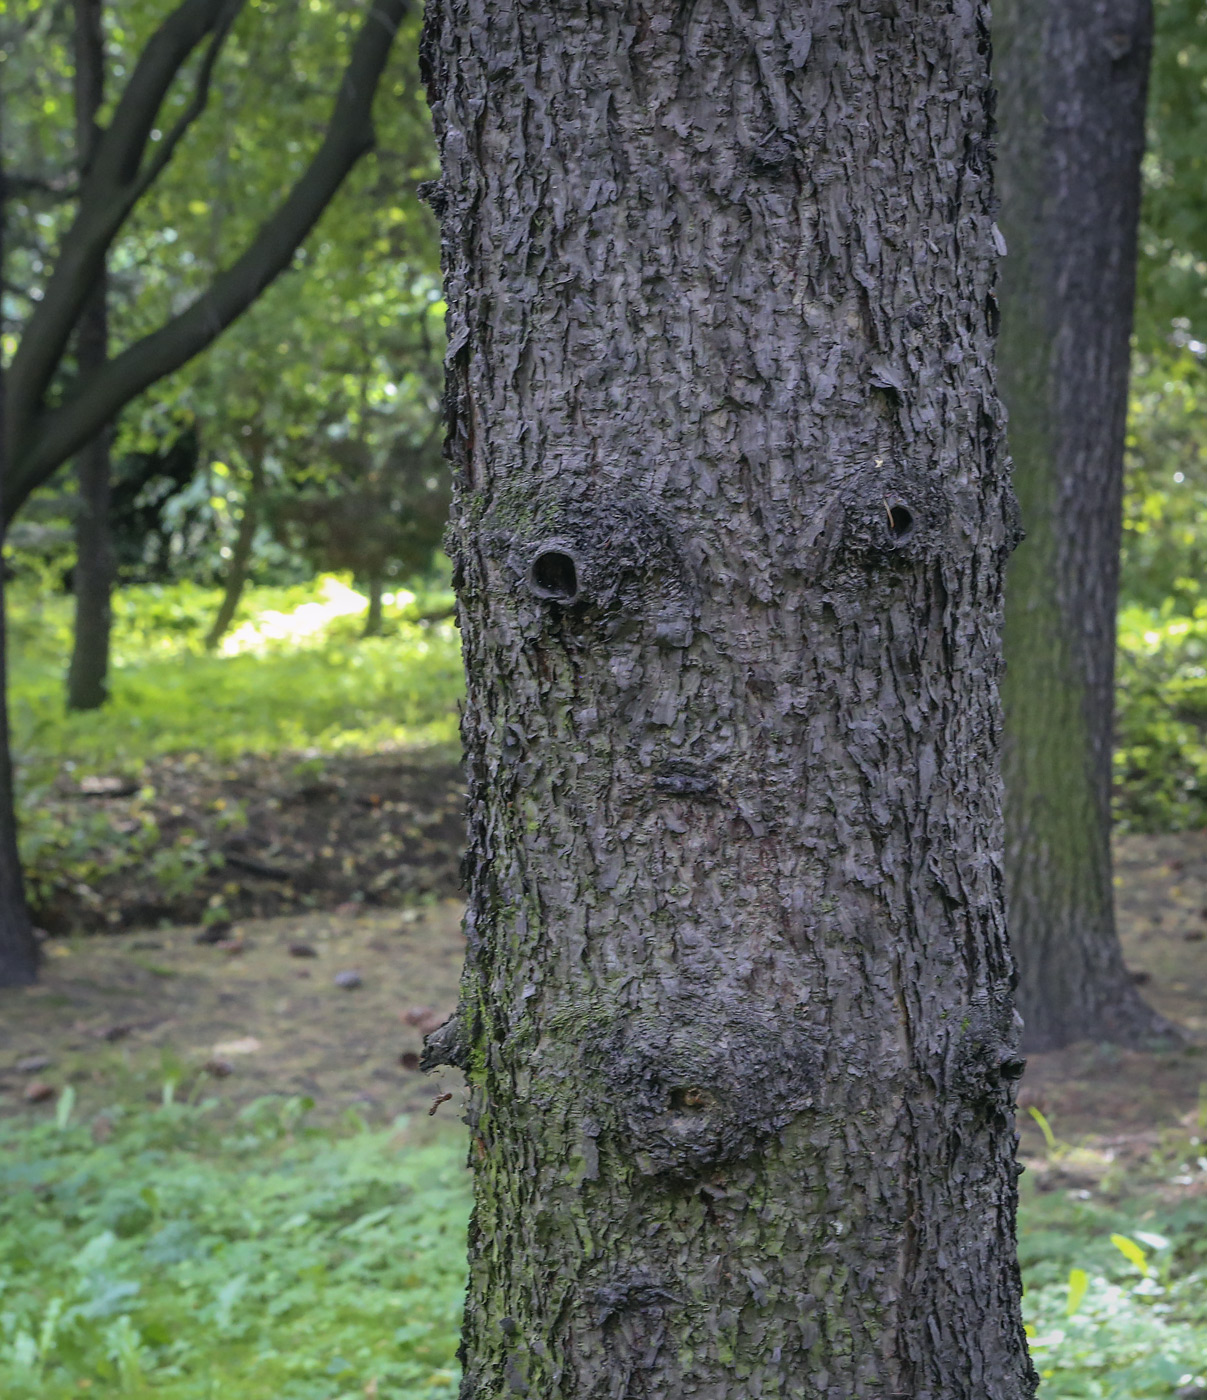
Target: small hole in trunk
555,576
690,1098
900,520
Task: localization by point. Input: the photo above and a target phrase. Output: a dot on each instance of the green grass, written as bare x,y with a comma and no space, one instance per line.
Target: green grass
295,677
1161,719
192,1256
314,685
186,1253
1116,1300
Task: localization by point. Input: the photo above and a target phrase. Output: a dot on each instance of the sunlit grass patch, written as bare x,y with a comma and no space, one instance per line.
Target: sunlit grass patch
315,687
300,680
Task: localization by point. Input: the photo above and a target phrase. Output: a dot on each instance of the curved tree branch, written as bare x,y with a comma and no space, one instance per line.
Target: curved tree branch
109,191
60,431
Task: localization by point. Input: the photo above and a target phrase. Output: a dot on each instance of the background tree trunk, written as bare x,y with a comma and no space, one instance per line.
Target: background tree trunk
18,947
729,534
95,560
19,955
373,616
240,564
1071,76
95,563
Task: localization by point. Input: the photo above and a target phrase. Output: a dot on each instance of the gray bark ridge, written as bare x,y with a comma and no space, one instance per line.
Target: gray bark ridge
1072,76
729,532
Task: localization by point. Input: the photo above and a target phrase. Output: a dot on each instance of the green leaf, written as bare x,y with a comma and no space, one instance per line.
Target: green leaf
1046,1128
1079,1282
1132,1252
62,1113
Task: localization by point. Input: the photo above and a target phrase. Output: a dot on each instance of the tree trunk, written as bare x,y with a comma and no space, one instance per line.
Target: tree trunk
1071,76
18,947
95,560
240,565
731,520
373,618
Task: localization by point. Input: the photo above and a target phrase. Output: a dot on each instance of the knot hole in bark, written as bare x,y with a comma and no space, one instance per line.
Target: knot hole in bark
900,520
685,1100
553,576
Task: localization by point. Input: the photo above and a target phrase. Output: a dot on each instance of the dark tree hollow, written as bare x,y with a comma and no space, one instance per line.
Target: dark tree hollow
555,576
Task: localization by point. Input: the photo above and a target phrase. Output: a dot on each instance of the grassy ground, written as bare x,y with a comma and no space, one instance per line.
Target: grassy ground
218,1178
288,771
181,1252
294,674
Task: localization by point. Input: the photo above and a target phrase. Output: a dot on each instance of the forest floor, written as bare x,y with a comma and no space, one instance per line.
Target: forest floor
334,1005
258,835
221,1049
1119,1102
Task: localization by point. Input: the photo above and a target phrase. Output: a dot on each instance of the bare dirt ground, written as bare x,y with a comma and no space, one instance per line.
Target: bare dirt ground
261,836
328,1007
1116,1103
334,1006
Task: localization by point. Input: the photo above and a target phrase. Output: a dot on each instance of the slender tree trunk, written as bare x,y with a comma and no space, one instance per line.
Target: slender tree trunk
18,946
95,563
373,618
19,955
1071,76
731,520
240,564
95,560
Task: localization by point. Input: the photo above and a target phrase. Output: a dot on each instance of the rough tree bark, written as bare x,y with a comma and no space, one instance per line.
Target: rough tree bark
731,520
1071,75
95,562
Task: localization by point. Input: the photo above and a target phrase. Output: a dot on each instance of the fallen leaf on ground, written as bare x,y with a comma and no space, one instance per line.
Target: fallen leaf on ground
106,787
303,950
219,1069
245,1045
38,1092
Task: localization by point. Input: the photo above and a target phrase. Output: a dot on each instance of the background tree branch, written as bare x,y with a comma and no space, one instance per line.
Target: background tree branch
109,192
56,433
